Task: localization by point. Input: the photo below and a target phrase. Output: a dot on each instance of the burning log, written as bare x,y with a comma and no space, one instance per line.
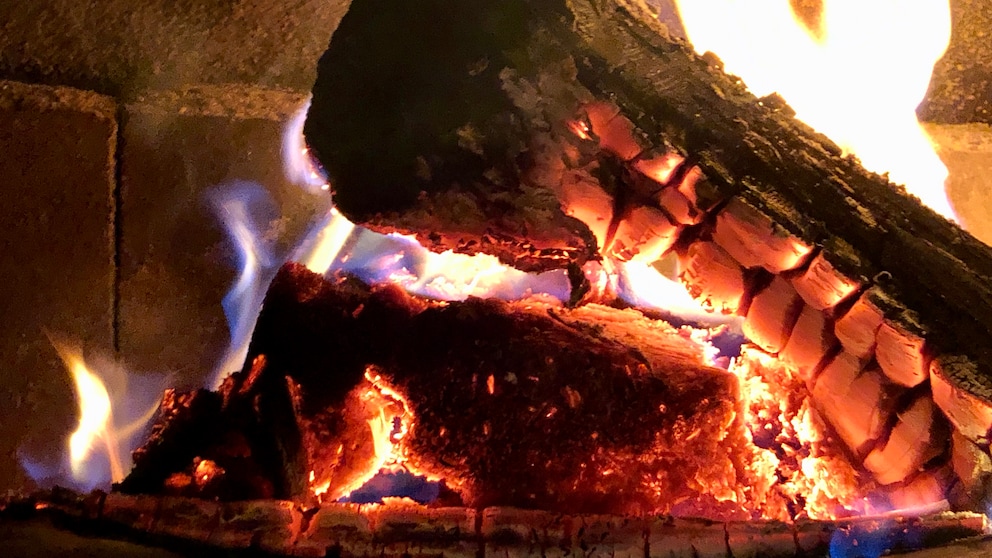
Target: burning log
527,404
478,110
398,529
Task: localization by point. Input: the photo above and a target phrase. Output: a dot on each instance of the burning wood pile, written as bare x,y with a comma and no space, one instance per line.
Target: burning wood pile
575,135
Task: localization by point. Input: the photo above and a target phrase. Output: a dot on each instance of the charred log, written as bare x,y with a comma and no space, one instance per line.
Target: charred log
484,126
528,403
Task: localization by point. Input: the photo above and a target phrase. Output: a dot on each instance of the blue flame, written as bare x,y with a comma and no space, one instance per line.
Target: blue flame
399,484
298,167
874,539
241,207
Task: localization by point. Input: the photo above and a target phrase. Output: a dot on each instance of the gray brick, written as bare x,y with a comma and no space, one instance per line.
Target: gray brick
125,47
176,263
56,256
966,149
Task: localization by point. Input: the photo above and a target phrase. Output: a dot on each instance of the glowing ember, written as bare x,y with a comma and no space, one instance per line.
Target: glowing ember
384,412
791,457
855,71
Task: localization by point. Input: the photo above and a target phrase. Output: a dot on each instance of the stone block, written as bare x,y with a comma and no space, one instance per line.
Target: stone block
179,149
122,47
56,257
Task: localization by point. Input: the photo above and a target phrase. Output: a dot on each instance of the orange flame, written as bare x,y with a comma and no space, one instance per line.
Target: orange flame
855,71
389,421
95,417
815,476
99,433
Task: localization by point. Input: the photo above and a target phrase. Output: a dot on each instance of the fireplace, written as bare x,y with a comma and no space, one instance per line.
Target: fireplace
776,295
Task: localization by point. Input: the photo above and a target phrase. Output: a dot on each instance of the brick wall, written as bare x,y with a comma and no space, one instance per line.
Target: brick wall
109,235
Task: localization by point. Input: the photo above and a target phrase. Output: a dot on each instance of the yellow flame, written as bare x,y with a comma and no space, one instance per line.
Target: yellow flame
388,424
95,418
857,76
328,244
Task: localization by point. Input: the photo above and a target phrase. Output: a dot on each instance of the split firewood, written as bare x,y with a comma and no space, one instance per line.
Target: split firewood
858,328
958,391
812,340
772,314
478,110
919,435
714,278
822,286
855,401
527,403
973,467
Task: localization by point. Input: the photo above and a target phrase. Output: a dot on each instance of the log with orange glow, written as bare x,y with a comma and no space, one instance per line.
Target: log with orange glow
529,404
494,122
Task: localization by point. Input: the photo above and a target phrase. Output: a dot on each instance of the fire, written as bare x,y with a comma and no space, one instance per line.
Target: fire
236,208
791,456
385,413
854,70
109,419
298,166
95,419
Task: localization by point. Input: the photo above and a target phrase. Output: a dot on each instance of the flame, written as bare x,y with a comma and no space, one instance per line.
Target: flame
389,419
298,166
335,244
101,439
401,260
95,418
237,207
643,286
855,71
791,457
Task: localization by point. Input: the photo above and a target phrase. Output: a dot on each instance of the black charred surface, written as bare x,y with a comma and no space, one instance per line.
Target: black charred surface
409,113
187,424
870,229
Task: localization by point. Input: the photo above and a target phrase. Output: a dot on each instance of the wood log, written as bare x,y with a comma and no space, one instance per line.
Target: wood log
714,278
426,119
854,401
527,403
397,529
811,342
822,286
973,467
920,435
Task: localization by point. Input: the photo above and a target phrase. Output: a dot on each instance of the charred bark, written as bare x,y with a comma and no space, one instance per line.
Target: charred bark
450,120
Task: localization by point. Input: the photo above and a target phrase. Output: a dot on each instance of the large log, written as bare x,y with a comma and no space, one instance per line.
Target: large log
468,122
511,403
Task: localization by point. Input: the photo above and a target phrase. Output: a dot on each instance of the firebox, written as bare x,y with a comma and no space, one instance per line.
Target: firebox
514,183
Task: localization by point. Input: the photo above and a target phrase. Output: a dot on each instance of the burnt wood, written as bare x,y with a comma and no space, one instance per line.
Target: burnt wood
514,403
427,116
122,525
